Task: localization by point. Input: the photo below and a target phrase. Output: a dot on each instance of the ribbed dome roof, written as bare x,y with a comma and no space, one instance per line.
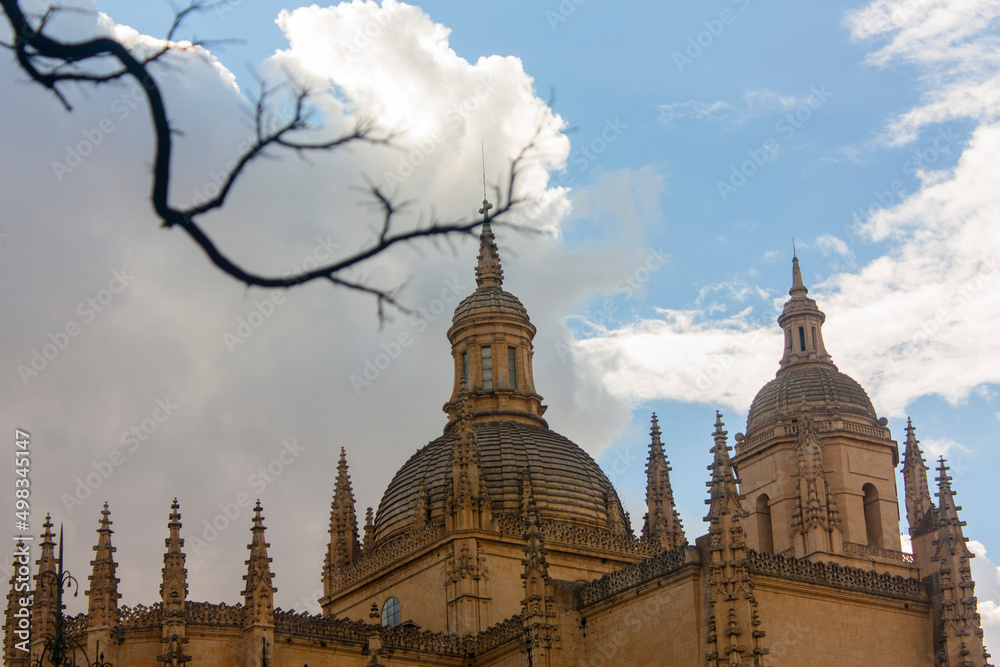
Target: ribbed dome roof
567,484
821,387
490,301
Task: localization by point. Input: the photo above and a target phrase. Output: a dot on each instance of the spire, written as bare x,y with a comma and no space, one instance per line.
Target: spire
174,588
17,621
489,272
102,609
663,523
724,496
467,499
344,547
735,630
918,495
802,321
798,288
258,596
538,610
43,607
815,519
173,592
959,636
369,540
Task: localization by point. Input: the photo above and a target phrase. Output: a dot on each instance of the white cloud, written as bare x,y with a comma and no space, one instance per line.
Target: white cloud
830,244
162,337
938,447
680,356
956,47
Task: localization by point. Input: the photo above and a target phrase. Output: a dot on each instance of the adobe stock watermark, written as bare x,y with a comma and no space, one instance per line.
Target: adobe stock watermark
372,28
122,107
225,7
216,179
704,39
623,461
454,118
957,299
563,11
21,598
264,308
592,323
895,192
259,480
929,328
87,310
132,439
787,126
580,160
720,365
374,366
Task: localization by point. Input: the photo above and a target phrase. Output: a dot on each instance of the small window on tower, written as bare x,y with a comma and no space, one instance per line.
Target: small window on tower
390,613
802,338
487,368
512,368
465,369
813,330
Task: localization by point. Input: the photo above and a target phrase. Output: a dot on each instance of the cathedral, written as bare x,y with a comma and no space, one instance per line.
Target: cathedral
502,543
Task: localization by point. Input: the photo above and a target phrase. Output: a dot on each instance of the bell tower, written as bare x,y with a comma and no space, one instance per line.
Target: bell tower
817,466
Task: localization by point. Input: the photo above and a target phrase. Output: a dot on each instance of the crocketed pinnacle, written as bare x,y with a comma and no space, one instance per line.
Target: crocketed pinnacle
44,600
951,541
489,273
534,549
724,496
663,522
815,518
735,630
918,496
174,588
960,633
258,596
103,605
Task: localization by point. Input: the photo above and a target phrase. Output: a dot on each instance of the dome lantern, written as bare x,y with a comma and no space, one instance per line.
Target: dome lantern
802,321
491,346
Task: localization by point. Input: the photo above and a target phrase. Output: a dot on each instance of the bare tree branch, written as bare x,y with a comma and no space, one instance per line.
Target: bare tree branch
53,63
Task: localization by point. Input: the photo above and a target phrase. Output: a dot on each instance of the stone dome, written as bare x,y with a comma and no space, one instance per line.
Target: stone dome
820,387
568,485
491,301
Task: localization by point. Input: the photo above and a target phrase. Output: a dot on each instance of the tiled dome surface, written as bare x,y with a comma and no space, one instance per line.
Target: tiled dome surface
568,485
819,386
490,301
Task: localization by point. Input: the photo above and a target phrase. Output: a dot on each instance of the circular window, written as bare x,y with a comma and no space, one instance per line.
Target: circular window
390,613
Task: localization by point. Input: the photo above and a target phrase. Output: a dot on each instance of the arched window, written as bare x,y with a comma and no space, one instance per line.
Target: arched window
390,613
873,516
765,535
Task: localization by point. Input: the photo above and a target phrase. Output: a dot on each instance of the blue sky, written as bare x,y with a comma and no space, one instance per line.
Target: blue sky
695,141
